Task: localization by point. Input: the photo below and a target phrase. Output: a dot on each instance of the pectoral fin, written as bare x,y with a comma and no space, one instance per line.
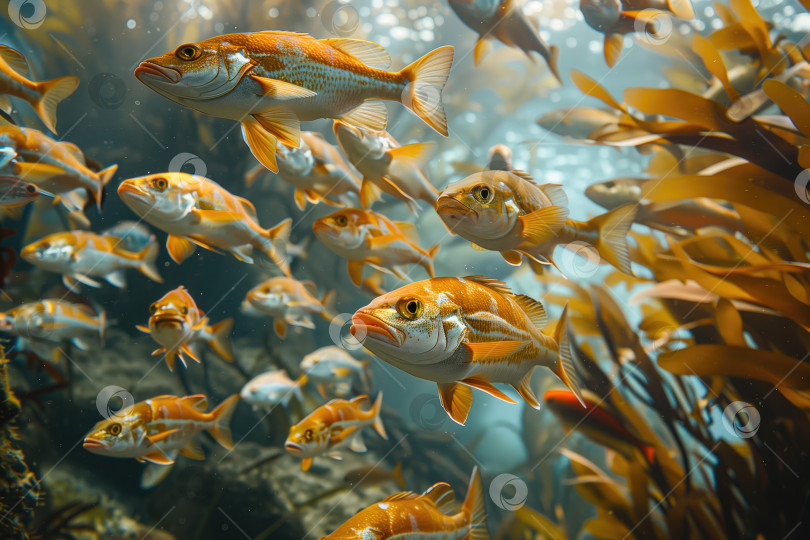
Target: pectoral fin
490,351
179,248
193,450
356,271
160,436
486,386
613,48
456,400
280,327
542,225
306,463
282,124
156,457
282,90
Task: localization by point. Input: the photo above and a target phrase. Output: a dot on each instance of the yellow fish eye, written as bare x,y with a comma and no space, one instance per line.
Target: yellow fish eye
31,189
483,193
410,308
341,220
188,52
185,310
153,309
160,183
308,435
114,429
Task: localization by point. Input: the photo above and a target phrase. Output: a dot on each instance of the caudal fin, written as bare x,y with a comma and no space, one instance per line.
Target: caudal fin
566,370
427,262
221,430
220,338
328,303
396,474
376,409
104,177
276,249
147,266
474,509
51,94
427,77
613,228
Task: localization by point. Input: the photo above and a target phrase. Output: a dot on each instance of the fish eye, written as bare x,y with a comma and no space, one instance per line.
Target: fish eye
308,435
341,220
483,193
410,308
153,309
184,310
160,183
188,52
31,189
609,184
114,429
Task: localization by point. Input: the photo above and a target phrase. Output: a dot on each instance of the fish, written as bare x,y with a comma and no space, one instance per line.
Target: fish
508,212
597,423
503,20
135,235
332,426
290,302
691,214
196,211
155,429
365,237
43,96
334,366
16,193
81,255
176,322
429,515
267,390
578,122
464,333
271,81
317,171
55,321
57,167
372,475
386,166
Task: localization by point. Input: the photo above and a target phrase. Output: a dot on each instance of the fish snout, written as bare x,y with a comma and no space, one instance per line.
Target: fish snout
150,70
292,447
450,207
93,445
366,325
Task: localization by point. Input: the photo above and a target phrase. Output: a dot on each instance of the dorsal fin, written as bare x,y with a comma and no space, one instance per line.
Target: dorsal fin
556,194
14,59
409,230
249,208
492,283
367,52
534,309
310,286
197,401
164,396
402,496
524,175
442,496
361,399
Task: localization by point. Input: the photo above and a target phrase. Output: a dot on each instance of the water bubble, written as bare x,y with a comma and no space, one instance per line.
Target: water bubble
131,23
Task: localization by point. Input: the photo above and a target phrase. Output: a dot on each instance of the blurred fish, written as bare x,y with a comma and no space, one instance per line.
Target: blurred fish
332,426
153,474
385,165
78,255
43,96
317,171
16,193
334,366
194,210
176,322
429,515
267,390
155,429
365,237
54,166
466,333
271,81
508,212
503,20
578,122
135,235
597,423
55,321
291,302
372,475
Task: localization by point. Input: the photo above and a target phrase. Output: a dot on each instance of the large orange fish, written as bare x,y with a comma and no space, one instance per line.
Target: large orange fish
466,333
429,515
272,81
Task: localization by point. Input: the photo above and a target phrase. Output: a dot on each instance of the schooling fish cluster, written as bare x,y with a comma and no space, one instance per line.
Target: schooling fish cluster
709,252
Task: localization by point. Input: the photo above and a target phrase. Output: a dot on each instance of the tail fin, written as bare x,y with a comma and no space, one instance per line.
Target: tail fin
104,177
552,62
427,262
376,409
427,77
397,475
474,509
300,382
328,303
51,94
220,341
147,267
565,362
613,228
277,249
221,430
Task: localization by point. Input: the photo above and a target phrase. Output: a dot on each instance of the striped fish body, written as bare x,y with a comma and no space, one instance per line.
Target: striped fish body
54,320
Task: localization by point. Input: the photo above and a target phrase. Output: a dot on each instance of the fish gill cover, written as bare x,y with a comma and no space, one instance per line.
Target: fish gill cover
286,269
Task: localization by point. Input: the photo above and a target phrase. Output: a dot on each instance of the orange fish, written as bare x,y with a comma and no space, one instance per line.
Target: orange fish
333,426
289,302
43,96
465,333
156,429
366,237
426,516
176,322
272,81
54,320
596,423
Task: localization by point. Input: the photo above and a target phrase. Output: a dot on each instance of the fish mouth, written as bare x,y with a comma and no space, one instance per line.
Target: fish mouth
130,188
155,72
293,447
324,228
167,318
447,205
365,325
92,444
27,252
